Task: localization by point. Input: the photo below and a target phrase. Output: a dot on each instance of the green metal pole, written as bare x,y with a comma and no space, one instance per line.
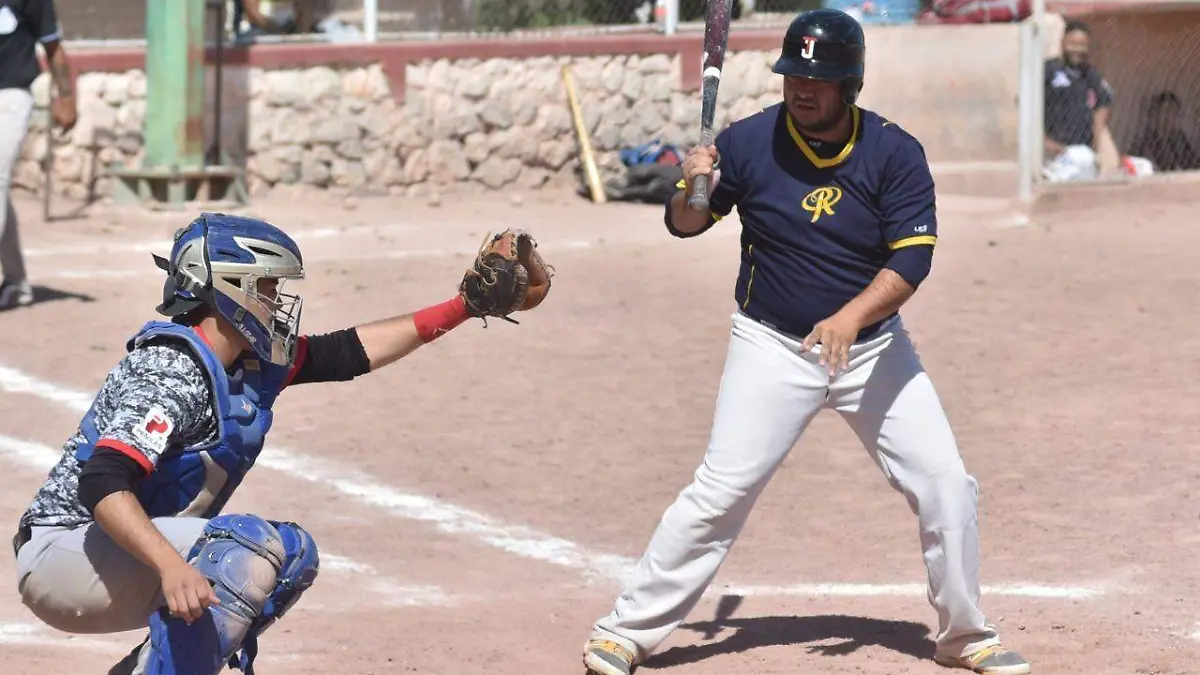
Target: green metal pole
174,121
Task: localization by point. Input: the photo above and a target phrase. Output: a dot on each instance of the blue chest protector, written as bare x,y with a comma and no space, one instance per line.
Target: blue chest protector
198,480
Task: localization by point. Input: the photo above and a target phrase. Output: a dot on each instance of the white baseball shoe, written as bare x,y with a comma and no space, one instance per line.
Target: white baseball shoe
605,657
993,660
14,295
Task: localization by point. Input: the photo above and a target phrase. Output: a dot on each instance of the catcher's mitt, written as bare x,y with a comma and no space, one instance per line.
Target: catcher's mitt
508,275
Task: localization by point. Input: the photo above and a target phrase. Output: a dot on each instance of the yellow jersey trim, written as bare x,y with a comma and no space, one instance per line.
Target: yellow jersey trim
812,156
750,281
923,240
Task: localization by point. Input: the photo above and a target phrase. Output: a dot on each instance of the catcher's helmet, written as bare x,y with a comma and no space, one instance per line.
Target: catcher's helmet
825,44
217,261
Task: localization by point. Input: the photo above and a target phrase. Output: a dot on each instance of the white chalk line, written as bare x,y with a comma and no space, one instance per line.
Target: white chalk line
116,645
162,244
520,540
911,590
148,270
396,254
36,635
1000,166
392,593
17,382
42,458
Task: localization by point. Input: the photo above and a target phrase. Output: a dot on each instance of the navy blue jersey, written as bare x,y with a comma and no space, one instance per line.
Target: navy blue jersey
819,223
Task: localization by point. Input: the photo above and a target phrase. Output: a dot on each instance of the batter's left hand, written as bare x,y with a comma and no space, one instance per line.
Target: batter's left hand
65,112
835,335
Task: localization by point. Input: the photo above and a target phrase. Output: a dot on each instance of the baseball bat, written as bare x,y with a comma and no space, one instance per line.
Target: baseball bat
48,170
590,172
716,38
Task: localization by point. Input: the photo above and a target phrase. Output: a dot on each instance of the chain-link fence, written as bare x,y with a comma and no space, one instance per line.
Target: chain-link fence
1151,60
439,19
112,20
124,21
399,19
1136,70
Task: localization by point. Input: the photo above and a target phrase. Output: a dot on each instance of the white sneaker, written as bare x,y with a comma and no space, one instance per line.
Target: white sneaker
14,295
605,657
994,660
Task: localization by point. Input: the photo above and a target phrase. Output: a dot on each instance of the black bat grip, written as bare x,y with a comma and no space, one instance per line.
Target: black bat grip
698,201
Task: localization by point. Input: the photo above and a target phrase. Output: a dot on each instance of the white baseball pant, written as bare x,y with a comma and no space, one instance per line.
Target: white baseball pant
16,106
769,393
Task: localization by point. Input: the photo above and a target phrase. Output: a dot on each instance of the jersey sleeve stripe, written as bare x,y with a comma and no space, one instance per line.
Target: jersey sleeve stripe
127,450
923,240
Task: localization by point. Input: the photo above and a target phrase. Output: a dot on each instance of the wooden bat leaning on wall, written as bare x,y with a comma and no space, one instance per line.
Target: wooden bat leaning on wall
47,169
590,172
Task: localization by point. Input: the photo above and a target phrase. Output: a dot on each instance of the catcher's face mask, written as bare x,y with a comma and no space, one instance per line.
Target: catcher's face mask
238,266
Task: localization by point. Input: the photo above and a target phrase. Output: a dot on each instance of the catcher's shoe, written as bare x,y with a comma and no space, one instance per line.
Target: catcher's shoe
605,657
993,660
127,665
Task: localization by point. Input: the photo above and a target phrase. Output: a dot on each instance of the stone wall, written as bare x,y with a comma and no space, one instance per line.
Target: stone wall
501,123
464,125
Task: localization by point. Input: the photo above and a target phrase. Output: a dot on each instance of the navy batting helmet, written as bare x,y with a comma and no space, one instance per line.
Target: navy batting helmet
825,44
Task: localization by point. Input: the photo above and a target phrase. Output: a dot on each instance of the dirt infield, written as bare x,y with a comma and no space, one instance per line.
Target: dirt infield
477,503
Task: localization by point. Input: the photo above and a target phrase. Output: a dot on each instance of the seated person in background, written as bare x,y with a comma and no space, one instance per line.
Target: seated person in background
1162,141
300,16
259,16
1078,101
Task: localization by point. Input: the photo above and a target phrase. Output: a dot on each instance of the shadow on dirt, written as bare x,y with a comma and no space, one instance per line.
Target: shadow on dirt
837,634
47,294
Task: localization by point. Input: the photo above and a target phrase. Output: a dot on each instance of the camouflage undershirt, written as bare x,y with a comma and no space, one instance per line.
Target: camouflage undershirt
157,396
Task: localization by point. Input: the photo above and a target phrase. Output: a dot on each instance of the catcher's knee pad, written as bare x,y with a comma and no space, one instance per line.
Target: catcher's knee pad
241,555
300,566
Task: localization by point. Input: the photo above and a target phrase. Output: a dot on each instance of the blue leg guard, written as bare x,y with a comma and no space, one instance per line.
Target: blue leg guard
300,568
258,569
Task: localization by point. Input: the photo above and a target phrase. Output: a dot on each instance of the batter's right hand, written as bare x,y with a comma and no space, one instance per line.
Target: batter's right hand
187,591
699,162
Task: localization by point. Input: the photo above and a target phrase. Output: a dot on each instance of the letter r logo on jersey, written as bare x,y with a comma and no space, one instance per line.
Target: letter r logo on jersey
821,201
809,44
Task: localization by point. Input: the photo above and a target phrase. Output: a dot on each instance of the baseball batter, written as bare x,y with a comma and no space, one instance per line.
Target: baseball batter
839,226
127,531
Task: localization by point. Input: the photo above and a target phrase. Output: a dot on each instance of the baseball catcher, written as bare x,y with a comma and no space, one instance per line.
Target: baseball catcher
128,532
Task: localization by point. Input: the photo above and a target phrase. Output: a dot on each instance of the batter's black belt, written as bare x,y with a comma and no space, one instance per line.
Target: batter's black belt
24,534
